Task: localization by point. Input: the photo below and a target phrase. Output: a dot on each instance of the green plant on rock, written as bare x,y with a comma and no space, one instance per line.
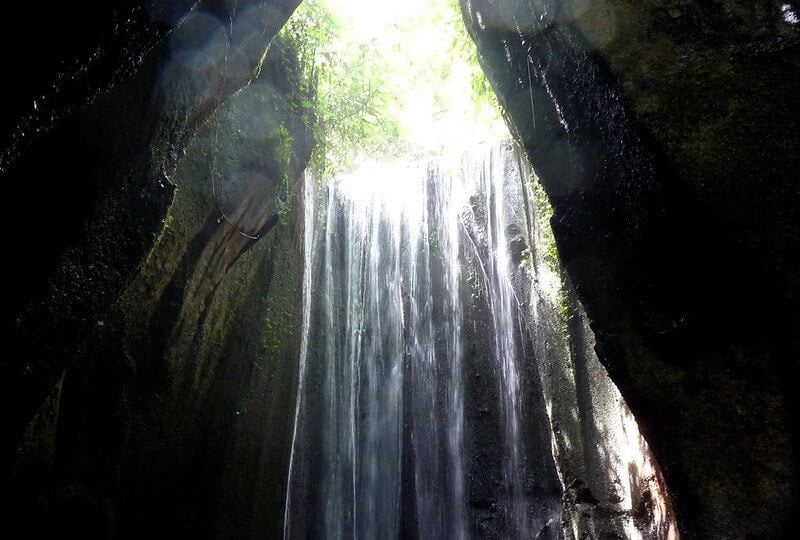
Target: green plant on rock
547,242
282,145
343,83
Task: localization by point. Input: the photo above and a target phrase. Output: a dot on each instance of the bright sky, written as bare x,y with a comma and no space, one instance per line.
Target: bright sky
369,19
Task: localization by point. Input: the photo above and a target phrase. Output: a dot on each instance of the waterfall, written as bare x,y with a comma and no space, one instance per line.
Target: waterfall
448,386
435,357
406,266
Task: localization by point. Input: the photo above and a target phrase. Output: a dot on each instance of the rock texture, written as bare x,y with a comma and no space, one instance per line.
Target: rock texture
152,339
664,135
612,487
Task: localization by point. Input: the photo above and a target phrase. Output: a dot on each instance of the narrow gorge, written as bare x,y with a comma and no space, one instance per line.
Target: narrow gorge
347,269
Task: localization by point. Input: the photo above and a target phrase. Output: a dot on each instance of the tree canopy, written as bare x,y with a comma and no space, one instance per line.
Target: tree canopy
390,80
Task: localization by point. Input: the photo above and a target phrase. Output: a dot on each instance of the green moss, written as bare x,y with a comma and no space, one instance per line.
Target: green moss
283,148
564,307
283,152
167,222
276,317
548,251
546,242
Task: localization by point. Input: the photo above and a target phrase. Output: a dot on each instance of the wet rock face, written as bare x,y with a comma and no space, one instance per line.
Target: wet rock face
662,133
144,317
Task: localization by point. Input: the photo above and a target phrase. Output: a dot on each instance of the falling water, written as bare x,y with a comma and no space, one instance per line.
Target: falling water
505,325
406,268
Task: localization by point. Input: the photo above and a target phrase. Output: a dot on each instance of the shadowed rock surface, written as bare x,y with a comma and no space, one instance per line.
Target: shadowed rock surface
663,133
151,329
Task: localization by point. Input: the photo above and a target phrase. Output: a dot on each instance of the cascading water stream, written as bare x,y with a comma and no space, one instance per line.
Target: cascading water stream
384,351
436,392
505,325
448,386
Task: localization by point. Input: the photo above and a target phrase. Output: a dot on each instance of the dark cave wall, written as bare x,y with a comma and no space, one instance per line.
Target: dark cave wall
611,485
152,330
665,137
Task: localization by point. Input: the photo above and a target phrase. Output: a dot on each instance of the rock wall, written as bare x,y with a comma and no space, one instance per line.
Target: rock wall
153,356
661,132
611,483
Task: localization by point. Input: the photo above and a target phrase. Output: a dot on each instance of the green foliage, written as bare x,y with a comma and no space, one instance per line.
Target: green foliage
344,86
483,95
387,81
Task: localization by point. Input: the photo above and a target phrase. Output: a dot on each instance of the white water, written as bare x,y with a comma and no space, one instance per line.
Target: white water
381,377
